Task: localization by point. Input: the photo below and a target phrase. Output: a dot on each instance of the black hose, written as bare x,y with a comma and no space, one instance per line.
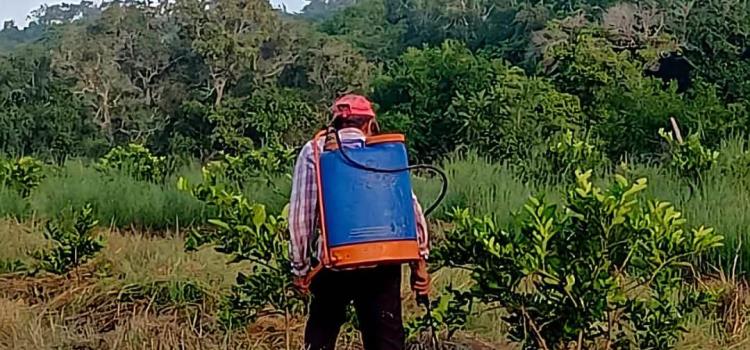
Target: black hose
441,173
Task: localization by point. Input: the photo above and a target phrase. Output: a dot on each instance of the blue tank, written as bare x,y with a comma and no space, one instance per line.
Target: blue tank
361,206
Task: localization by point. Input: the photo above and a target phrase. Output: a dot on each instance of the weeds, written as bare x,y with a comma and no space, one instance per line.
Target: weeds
74,242
138,162
21,175
11,266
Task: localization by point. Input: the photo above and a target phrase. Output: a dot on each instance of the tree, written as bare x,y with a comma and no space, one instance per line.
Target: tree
47,15
39,114
87,54
715,36
235,39
447,97
119,61
367,27
322,9
11,36
147,52
604,64
325,66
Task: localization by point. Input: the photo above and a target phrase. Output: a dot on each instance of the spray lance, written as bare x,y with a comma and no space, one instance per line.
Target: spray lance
422,300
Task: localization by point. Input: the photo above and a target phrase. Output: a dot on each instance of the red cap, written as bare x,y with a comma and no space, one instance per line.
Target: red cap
352,105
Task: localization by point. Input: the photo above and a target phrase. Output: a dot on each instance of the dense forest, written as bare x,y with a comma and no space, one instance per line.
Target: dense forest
502,77
597,153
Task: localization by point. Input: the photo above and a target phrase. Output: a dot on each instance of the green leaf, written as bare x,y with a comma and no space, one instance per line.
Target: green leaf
219,223
259,216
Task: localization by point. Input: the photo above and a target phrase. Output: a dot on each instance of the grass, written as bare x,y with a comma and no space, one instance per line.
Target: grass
153,275
166,299
476,184
118,199
146,292
722,202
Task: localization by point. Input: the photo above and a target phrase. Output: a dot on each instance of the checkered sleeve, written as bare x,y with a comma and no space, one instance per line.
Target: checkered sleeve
302,206
422,229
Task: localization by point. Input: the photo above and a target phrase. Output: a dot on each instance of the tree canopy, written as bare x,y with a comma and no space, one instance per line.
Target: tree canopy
197,77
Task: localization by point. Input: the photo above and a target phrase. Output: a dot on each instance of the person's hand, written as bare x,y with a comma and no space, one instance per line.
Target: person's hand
420,279
302,283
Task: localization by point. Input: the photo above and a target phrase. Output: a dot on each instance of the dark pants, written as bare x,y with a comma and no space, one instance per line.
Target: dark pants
376,293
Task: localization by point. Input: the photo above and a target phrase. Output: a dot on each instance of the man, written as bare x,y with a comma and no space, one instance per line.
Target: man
374,290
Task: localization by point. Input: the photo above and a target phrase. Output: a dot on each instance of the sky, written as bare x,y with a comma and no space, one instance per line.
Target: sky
18,10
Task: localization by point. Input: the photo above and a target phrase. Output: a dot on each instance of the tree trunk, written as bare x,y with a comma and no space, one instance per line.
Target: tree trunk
219,85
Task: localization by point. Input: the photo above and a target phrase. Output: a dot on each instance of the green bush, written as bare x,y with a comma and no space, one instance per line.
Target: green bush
254,164
136,161
559,160
245,232
74,241
690,159
21,175
604,267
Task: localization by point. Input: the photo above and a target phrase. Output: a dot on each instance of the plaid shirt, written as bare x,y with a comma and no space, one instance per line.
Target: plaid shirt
303,216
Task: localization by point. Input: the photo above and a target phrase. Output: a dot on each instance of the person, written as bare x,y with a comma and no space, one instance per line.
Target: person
375,291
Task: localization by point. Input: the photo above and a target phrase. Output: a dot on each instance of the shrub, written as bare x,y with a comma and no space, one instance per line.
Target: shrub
606,267
447,96
136,161
245,232
22,175
559,160
262,163
690,159
74,241
11,266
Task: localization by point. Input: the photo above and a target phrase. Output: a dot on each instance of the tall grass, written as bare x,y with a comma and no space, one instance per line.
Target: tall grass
118,199
721,201
121,201
13,205
475,183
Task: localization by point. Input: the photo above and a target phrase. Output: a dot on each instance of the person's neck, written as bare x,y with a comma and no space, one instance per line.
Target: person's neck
353,129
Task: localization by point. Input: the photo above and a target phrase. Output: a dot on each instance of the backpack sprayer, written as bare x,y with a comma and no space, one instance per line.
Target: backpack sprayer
366,204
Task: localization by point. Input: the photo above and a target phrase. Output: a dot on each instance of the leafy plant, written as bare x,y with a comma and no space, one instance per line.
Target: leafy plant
605,268
22,175
262,163
138,162
449,312
74,241
11,266
558,162
690,159
245,232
